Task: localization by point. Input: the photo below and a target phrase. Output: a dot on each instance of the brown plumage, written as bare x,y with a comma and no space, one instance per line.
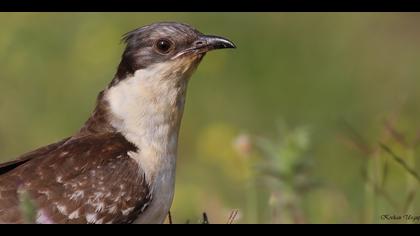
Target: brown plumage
78,181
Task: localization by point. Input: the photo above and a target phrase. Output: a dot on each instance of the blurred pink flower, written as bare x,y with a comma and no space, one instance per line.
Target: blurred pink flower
243,144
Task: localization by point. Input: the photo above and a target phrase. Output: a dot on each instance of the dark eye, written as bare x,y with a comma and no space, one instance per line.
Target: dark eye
163,45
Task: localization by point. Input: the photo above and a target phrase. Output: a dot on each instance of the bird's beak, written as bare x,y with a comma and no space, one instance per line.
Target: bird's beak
207,43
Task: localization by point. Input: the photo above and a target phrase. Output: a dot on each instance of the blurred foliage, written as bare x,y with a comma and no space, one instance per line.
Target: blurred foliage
286,167
27,207
344,75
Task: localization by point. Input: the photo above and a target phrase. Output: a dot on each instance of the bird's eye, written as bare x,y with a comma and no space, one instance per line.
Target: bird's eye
164,45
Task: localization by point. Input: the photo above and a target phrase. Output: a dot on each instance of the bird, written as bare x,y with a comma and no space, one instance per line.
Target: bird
119,167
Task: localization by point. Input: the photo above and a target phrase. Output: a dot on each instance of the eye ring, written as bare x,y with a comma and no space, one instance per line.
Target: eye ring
164,46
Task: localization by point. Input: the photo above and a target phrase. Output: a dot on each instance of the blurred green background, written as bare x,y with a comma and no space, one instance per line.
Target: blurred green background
286,128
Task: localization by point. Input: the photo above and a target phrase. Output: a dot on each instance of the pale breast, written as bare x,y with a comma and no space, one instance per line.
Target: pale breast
162,184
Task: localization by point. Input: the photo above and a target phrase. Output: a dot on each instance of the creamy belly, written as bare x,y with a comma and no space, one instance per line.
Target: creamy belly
162,197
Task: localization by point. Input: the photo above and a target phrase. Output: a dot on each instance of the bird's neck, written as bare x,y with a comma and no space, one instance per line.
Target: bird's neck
147,109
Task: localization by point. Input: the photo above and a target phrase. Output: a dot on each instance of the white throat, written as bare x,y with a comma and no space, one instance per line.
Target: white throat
147,109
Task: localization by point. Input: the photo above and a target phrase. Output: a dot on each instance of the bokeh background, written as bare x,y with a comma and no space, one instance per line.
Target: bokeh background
286,128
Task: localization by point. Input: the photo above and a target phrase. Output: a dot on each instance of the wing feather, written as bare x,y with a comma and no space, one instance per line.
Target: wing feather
8,166
90,179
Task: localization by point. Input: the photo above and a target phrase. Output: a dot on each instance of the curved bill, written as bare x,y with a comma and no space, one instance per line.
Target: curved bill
207,43
210,42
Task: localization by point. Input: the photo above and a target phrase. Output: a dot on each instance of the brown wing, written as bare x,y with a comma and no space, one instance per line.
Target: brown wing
86,180
8,166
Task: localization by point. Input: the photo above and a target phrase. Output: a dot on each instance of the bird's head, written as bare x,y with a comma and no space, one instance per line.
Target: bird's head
148,90
177,48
